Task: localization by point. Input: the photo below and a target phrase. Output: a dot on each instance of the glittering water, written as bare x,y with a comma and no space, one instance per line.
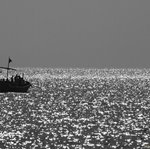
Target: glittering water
78,108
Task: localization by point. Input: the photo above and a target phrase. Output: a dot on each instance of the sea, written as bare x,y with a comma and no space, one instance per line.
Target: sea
77,108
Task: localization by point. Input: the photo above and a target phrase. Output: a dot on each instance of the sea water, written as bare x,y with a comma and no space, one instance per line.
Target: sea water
78,108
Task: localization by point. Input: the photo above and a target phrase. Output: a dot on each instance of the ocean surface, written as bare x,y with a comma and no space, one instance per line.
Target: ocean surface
78,108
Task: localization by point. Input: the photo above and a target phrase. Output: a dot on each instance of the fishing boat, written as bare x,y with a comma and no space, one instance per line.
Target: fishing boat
13,84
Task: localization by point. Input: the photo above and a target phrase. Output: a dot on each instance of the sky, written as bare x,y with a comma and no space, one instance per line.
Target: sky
75,33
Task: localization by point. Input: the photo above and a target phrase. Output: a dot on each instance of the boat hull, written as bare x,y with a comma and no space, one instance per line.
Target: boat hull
7,87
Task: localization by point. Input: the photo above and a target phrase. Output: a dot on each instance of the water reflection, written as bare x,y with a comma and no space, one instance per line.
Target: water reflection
77,113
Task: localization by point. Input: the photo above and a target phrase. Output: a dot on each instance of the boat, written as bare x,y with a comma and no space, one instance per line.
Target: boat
14,84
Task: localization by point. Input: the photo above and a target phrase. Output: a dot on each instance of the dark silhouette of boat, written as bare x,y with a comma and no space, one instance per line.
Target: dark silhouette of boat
14,84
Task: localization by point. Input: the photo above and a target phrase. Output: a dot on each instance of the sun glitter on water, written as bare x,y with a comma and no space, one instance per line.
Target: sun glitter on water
78,108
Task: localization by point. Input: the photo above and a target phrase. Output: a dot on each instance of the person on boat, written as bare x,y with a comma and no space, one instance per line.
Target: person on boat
15,79
18,80
7,80
12,79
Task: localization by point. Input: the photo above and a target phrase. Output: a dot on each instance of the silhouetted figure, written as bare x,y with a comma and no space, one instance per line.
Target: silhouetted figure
12,79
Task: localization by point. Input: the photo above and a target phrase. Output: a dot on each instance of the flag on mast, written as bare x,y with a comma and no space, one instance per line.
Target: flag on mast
10,60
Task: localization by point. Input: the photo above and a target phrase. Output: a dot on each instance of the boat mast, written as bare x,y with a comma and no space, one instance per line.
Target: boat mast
8,68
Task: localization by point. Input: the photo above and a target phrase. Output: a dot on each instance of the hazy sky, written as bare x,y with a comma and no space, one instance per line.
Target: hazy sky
75,33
